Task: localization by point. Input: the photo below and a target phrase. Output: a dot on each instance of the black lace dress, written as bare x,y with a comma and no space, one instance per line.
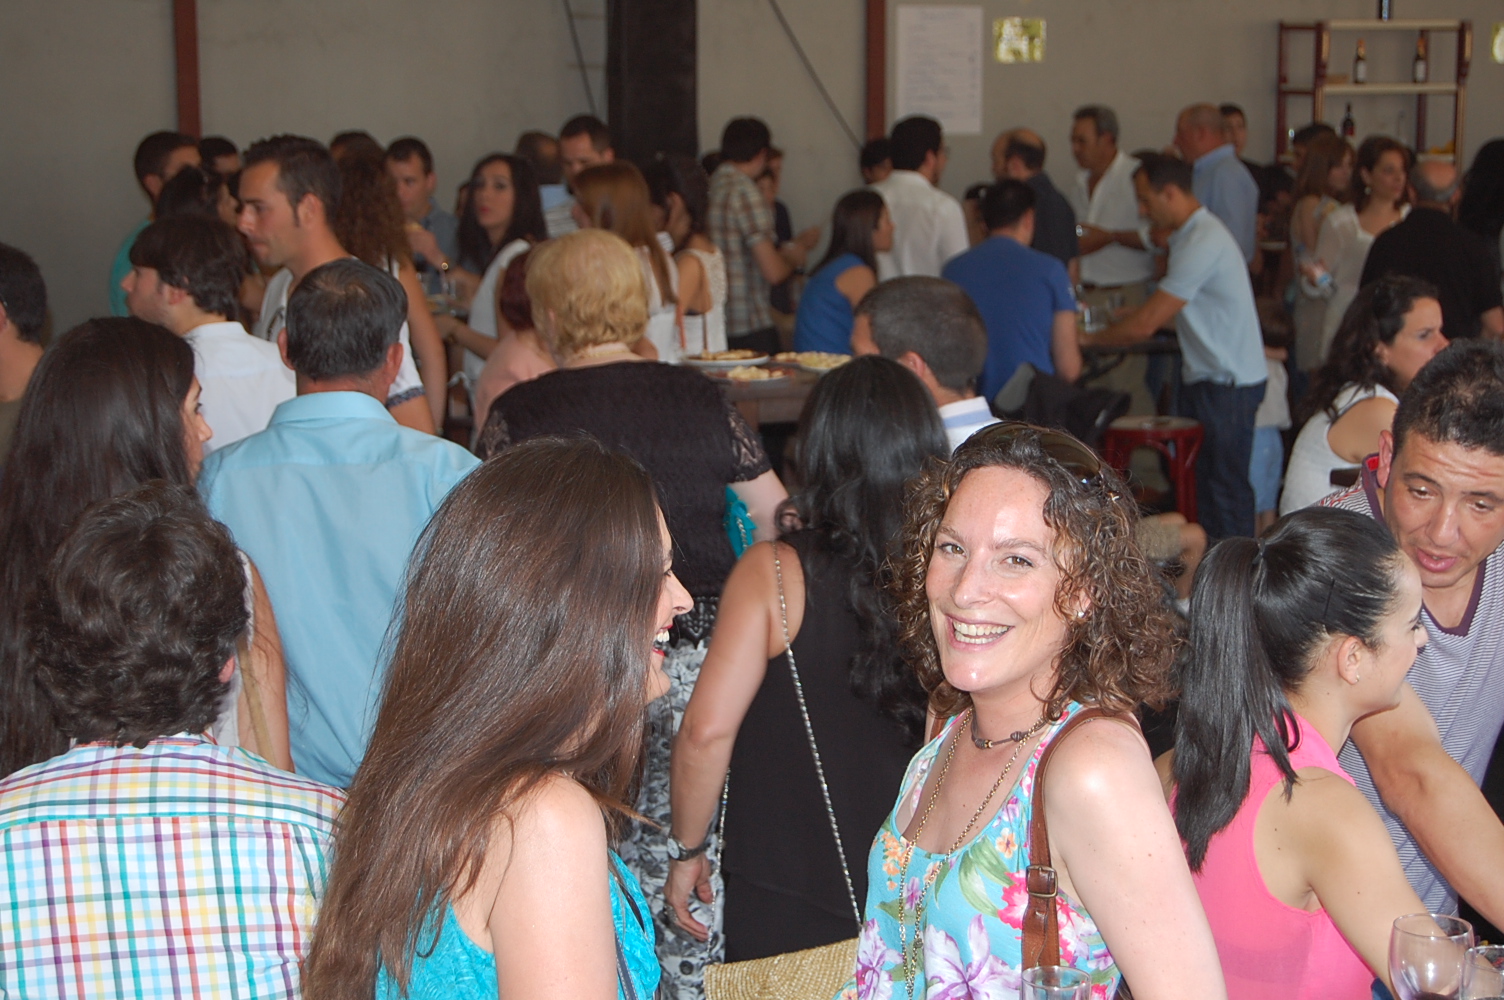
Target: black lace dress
694,444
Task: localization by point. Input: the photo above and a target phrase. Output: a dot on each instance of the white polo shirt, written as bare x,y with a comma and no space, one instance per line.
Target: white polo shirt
929,227
243,380
1112,206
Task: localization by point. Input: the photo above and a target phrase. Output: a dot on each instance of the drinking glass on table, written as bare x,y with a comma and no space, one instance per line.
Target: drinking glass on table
1056,982
1483,973
1425,956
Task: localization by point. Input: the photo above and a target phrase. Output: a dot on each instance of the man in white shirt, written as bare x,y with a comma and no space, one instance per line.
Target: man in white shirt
1112,236
931,327
185,275
288,191
929,227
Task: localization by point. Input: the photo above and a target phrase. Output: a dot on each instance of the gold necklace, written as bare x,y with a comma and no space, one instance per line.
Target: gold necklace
911,960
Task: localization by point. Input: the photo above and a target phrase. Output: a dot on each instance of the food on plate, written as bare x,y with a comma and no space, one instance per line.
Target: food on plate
740,354
822,360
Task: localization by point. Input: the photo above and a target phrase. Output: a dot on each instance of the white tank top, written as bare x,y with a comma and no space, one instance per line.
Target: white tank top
1309,475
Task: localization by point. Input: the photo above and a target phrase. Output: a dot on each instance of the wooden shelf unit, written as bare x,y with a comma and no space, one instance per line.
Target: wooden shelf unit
1319,89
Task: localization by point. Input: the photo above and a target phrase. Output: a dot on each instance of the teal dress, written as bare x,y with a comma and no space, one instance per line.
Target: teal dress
453,967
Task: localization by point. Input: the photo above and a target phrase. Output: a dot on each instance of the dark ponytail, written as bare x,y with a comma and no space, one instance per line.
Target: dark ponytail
1259,612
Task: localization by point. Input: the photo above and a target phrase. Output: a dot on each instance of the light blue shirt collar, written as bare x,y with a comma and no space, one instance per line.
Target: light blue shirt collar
342,405
1216,156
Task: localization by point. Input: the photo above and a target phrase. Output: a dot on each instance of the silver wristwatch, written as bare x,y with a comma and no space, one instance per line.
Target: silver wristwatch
678,852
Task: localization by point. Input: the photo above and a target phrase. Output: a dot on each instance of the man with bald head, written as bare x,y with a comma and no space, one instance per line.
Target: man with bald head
1018,154
1429,245
1222,184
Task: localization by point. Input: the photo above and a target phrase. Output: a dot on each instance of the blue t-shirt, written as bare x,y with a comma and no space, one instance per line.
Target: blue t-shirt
1018,290
328,502
824,320
1220,337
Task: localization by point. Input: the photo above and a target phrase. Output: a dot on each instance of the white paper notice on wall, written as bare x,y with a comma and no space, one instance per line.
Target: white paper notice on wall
940,54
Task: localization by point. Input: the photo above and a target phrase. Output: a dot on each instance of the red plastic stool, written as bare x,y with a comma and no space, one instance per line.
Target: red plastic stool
1178,439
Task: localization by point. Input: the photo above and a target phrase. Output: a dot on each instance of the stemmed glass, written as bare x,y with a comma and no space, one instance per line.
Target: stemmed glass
1483,973
1425,956
1056,982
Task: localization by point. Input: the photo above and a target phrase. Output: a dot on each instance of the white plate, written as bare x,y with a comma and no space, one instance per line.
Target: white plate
816,371
775,380
722,366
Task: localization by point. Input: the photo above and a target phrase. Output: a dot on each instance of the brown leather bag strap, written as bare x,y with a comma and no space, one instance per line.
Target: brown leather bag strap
1041,937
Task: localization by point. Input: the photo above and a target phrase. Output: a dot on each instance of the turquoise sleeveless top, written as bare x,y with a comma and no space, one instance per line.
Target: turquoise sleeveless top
823,322
453,967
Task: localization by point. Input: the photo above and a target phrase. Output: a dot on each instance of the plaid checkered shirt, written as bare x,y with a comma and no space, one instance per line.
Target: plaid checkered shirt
181,869
737,220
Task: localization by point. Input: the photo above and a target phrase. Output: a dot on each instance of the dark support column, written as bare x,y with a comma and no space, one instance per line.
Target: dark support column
185,39
651,54
877,68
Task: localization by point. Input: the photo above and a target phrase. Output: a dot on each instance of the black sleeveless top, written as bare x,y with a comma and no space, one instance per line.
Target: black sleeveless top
778,835
673,420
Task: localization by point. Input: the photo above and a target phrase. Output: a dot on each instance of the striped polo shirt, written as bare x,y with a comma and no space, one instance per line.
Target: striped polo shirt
180,869
1460,677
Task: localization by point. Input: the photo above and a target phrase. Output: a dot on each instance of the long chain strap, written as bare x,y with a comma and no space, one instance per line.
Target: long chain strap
809,730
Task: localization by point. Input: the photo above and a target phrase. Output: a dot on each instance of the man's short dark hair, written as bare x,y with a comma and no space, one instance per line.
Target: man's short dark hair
1457,398
1303,136
139,612
1226,110
1005,203
936,320
342,318
1031,155
912,139
600,134
211,147
542,151
875,152
404,149
154,151
23,293
1160,170
203,257
304,167
744,139
1103,118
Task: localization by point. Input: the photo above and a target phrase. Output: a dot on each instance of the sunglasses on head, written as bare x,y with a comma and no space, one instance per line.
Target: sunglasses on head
1071,455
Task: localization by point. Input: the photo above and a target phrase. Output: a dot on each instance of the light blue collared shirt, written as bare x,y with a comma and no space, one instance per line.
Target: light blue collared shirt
1226,187
1220,337
328,502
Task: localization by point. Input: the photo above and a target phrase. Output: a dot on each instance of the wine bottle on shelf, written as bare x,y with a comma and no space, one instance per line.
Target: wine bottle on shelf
1349,127
1360,63
1419,69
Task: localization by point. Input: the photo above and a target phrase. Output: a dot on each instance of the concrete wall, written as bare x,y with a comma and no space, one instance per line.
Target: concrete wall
1149,58
85,79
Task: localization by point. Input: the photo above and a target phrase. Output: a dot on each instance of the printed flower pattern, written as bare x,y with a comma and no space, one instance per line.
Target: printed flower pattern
970,948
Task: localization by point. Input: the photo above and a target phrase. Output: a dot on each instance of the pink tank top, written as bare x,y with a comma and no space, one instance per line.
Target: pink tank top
1271,951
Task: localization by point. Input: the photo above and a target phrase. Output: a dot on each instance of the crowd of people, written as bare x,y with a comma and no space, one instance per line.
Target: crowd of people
310,687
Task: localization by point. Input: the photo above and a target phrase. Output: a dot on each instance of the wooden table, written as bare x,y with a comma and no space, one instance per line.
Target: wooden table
769,402
1099,359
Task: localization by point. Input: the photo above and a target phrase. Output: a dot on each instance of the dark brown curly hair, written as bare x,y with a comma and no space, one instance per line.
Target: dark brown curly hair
1120,653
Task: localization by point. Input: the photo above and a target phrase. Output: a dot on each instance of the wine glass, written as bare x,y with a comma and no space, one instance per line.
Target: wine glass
1056,982
1483,973
1425,956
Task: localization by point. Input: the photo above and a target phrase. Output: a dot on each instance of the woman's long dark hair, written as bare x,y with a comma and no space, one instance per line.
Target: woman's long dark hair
103,414
867,429
1259,611
674,173
1375,316
852,224
1482,205
368,220
476,248
522,653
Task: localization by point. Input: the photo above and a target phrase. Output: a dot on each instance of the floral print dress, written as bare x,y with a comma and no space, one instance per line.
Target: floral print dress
973,918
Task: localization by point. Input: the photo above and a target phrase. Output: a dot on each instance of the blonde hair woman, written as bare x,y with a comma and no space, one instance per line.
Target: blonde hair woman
590,307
